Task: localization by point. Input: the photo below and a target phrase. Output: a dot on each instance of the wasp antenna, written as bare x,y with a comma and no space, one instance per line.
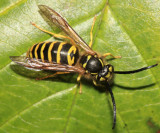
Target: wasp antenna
135,71
114,105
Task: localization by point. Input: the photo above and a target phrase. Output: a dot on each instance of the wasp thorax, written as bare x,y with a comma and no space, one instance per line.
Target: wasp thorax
91,64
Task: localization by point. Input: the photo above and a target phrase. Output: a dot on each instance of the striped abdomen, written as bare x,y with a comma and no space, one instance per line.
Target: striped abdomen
59,52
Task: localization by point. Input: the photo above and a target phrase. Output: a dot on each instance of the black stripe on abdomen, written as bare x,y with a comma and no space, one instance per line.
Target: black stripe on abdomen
64,53
45,51
33,55
39,50
54,51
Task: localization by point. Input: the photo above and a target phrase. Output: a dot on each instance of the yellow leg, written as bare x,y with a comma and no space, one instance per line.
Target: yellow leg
106,54
95,83
79,83
91,33
53,34
52,75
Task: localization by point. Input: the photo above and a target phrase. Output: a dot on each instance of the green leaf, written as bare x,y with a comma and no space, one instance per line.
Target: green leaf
126,28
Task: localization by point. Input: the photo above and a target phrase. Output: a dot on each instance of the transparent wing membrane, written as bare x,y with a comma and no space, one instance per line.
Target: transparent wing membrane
57,19
38,64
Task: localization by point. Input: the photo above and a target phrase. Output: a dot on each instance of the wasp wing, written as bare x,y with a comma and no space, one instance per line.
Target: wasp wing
38,64
57,19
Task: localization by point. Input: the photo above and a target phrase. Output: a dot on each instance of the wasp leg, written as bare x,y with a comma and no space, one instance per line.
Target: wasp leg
106,54
91,33
95,83
52,75
53,34
79,83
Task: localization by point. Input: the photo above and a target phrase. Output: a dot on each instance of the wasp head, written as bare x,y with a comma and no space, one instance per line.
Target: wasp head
106,73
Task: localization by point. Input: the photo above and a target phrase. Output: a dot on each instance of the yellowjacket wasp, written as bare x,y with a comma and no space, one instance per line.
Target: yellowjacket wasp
65,57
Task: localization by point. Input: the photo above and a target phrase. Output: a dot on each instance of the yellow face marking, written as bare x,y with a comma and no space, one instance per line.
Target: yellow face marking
30,51
102,79
72,49
59,51
49,51
35,52
42,49
108,75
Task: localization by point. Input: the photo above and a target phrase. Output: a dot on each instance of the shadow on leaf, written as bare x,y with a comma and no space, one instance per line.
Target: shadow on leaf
136,87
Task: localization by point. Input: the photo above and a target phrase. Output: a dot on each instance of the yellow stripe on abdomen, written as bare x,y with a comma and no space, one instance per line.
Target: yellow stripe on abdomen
30,51
35,52
59,52
49,51
71,61
42,54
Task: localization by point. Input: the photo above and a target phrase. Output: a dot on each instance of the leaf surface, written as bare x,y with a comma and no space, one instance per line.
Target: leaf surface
126,28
